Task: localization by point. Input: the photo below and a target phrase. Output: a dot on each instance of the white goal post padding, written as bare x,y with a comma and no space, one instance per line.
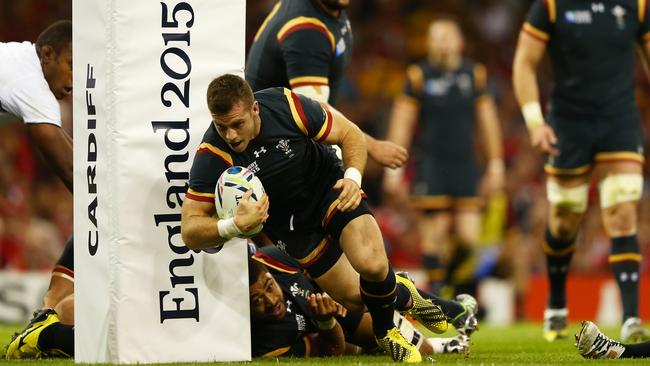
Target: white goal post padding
141,69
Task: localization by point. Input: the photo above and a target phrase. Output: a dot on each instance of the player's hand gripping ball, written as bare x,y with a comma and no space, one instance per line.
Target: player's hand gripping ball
230,189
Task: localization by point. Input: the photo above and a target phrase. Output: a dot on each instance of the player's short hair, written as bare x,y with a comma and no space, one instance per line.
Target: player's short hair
227,90
255,269
58,36
447,17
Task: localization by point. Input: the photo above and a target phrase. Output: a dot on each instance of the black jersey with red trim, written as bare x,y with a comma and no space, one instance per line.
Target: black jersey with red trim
591,45
295,169
288,336
446,102
300,44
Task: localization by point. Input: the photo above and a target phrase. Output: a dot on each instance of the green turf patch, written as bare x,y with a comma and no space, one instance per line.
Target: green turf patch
521,344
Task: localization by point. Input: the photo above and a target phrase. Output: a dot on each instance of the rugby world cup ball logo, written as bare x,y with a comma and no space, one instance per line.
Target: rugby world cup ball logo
230,189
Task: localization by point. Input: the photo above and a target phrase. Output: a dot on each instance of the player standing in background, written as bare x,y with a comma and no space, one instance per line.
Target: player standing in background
316,215
32,78
306,45
593,126
444,98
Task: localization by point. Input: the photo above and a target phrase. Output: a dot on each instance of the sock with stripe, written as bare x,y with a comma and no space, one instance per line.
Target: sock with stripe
380,298
624,261
558,258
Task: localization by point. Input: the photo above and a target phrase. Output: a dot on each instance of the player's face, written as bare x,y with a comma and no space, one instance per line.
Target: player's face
57,69
267,299
445,39
239,126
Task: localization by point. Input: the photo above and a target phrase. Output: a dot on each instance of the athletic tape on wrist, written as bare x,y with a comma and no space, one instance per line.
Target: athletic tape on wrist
533,116
354,174
227,228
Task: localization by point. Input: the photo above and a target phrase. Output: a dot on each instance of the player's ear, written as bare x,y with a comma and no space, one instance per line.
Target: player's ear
255,108
47,54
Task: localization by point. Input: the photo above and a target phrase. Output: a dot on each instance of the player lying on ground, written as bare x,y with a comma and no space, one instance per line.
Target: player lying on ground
592,343
290,316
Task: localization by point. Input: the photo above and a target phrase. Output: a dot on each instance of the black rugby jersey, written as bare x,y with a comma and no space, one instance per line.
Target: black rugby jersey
288,336
447,107
295,169
591,45
300,44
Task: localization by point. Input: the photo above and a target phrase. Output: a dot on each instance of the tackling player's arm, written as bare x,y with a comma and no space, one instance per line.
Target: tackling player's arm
353,144
56,147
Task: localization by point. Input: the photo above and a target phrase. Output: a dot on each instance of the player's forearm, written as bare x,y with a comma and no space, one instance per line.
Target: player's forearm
200,232
524,80
330,342
56,147
402,121
353,145
491,129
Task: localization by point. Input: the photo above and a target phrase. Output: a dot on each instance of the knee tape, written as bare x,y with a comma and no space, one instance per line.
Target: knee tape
575,198
619,188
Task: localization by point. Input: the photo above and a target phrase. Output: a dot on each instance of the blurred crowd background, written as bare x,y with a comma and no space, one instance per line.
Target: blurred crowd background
36,210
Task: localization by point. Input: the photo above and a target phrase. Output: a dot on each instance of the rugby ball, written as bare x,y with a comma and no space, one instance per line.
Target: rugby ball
230,189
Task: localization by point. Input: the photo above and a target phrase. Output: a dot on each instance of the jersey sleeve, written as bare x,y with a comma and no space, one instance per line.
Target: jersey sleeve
644,21
33,101
307,48
209,162
310,117
540,19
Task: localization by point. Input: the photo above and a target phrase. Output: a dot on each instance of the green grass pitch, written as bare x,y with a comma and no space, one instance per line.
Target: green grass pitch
521,344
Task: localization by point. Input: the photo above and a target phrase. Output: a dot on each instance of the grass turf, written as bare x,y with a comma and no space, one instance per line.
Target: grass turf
520,344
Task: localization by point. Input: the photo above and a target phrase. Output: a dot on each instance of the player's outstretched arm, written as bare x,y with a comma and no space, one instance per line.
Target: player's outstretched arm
527,57
56,147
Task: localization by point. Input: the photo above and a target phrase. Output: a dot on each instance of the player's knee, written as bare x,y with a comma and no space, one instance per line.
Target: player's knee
573,199
373,268
65,310
620,219
564,228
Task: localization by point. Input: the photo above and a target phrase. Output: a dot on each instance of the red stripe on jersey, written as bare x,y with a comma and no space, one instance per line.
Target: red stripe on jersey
199,198
274,263
203,150
301,112
307,26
